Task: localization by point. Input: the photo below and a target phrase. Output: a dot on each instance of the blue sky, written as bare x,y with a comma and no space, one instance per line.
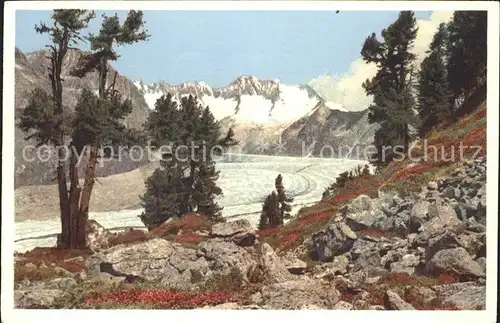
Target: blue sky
218,46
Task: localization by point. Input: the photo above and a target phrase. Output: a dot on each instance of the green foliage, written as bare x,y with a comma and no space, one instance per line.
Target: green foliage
276,207
40,118
206,190
392,85
434,93
466,48
270,215
163,198
100,121
66,28
346,177
111,33
173,127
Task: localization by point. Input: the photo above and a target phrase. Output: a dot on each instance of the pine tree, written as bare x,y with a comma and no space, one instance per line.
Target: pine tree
163,197
284,202
276,207
270,216
206,191
434,93
45,118
392,86
99,121
467,51
188,125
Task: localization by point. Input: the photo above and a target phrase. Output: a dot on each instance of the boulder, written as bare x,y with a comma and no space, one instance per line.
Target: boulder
465,296
293,264
334,240
455,260
295,294
98,237
432,186
393,301
330,269
363,212
343,306
170,264
273,269
407,264
240,232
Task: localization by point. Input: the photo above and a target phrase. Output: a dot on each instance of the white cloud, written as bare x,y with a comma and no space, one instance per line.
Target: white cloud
347,89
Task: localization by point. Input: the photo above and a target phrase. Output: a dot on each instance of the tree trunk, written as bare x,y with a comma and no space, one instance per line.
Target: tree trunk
88,184
64,238
406,137
74,198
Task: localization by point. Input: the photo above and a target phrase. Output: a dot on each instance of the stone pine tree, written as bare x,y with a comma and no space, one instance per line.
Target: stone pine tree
467,43
284,201
276,207
434,93
270,215
163,197
173,127
99,120
392,86
45,118
206,191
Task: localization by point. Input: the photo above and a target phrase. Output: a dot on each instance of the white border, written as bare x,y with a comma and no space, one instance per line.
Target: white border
12,315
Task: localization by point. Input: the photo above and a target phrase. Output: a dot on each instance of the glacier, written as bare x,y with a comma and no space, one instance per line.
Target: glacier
245,180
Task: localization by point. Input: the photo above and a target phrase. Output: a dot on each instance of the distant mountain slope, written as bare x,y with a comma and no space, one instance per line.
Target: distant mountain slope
330,133
31,72
257,110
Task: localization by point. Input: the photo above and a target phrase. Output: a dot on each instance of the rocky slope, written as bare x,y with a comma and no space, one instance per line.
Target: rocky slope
434,260
31,72
330,133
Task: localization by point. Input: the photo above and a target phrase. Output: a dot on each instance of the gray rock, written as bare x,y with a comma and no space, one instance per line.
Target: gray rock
360,304
343,306
331,269
61,283
452,193
295,294
455,260
293,264
420,209
98,237
482,262
169,264
422,294
393,301
444,212
274,270
432,186
232,306
406,265
241,232
465,296
368,259
334,240
361,246
36,298
362,212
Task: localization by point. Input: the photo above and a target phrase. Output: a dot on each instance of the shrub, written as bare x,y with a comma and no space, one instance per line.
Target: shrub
157,299
189,238
188,223
129,236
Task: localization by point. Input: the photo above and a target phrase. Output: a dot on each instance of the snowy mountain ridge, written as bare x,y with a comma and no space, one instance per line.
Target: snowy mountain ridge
246,99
